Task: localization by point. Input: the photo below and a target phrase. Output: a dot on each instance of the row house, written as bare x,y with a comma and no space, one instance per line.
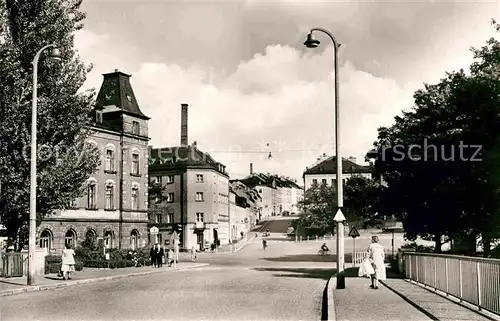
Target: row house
245,203
113,210
196,189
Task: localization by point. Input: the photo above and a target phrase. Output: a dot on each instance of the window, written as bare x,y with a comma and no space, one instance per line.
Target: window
91,238
199,196
70,238
108,239
334,182
158,179
46,240
170,218
323,181
135,198
315,182
98,117
109,197
135,128
170,179
110,160
134,238
135,164
199,217
170,197
199,178
91,195
260,190
158,218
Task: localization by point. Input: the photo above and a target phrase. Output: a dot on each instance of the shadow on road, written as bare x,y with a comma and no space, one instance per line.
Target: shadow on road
324,274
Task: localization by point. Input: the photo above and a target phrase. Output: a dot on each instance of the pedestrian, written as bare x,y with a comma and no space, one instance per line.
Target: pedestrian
193,254
170,257
68,262
376,256
161,256
264,244
152,255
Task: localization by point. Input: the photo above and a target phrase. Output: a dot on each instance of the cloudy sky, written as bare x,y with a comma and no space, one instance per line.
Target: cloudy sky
249,81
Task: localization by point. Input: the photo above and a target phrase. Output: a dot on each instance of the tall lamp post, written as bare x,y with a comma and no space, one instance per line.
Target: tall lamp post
339,217
56,55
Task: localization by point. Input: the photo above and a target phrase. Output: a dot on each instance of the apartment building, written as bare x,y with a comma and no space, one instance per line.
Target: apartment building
113,210
197,192
324,171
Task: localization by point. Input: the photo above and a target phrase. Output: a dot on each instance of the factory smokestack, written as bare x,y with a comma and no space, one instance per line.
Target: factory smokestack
184,124
251,168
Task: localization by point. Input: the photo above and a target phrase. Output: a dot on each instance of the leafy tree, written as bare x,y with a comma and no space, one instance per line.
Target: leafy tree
157,201
65,161
319,206
439,189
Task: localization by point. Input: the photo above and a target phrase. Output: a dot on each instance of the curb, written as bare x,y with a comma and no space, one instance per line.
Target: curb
330,308
35,288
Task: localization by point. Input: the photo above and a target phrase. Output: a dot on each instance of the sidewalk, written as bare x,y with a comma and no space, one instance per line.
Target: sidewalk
11,286
396,299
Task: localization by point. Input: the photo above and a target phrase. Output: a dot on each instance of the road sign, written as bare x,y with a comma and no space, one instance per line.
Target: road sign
174,235
154,230
354,232
339,217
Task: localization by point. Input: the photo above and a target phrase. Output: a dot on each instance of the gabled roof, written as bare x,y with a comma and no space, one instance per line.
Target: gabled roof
182,157
244,192
271,181
116,92
329,166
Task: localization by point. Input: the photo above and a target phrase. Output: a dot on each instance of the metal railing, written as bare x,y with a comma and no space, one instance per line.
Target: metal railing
314,238
470,279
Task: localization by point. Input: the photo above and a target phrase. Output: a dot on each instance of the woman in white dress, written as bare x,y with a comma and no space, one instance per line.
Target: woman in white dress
68,262
377,256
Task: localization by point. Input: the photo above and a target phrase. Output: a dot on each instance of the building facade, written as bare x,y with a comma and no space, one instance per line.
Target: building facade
245,203
324,171
113,210
196,189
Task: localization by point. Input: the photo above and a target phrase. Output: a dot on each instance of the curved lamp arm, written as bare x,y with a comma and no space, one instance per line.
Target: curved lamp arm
335,42
37,56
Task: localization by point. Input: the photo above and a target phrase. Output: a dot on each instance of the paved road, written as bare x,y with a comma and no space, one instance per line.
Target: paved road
239,286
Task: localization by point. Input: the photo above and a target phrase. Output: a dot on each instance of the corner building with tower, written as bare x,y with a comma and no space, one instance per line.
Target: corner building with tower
114,208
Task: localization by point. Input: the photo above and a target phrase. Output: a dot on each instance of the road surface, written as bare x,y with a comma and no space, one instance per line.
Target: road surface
252,284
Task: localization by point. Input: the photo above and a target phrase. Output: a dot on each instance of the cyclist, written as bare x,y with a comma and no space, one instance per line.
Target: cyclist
325,248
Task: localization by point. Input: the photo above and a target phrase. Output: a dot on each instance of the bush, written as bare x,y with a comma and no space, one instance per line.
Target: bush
53,264
112,264
417,248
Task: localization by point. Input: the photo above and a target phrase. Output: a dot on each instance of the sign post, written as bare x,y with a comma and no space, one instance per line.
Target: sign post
154,231
175,237
340,219
354,234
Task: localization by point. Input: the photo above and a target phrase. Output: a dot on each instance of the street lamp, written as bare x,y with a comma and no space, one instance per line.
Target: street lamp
56,55
339,217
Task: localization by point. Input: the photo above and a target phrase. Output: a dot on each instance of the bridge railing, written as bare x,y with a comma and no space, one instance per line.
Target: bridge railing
470,279
314,238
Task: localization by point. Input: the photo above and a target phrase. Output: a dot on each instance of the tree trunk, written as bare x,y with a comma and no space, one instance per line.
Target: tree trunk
486,244
437,241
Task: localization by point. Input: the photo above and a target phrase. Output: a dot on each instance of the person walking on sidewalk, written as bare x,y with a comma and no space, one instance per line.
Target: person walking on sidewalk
376,256
193,254
159,255
68,262
152,255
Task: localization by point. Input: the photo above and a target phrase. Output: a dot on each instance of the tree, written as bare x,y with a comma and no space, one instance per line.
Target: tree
447,193
319,206
65,160
157,202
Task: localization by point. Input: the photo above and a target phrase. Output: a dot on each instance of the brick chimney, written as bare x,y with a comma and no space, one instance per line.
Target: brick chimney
251,168
184,124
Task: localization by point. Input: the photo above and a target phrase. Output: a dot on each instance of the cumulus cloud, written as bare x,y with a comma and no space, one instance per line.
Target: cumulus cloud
280,96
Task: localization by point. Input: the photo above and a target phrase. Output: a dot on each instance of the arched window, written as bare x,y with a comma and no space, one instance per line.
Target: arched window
91,238
134,239
108,239
46,240
110,191
110,160
135,163
91,194
70,238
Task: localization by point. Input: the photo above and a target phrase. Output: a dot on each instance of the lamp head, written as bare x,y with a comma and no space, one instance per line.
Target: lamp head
311,42
55,54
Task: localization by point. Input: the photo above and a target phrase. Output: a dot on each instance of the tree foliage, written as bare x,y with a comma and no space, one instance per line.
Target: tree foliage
157,201
65,160
448,185
320,205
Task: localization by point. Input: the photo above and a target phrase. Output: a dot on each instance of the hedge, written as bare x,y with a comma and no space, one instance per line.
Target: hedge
53,264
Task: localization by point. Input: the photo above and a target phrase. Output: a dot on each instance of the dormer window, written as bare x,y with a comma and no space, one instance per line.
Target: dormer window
135,128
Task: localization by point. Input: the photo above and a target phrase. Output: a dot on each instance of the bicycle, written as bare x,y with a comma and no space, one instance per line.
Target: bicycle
323,252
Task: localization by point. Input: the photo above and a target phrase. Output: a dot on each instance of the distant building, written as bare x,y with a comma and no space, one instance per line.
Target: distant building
280,195
245,203
324,171
114,208
197,192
